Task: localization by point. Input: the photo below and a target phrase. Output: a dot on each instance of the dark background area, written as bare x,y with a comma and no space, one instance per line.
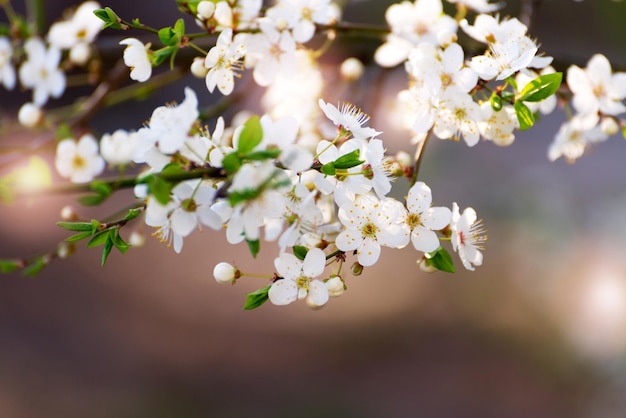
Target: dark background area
527,335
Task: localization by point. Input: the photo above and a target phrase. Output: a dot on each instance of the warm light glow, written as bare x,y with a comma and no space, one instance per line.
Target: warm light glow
33,177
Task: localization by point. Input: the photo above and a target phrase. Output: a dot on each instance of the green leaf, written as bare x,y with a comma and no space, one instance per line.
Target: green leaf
256,298
168,36
92,199
63,132
348,161
100,187
179,28
254,246
159,56
496,102
541,88
8,266
108,245
231,163
99,239
95,226
329,169
159,188
109,17
250,136
35,267
132,214
524,115
118,241
441,260
75,226
267,154
78,237
300,251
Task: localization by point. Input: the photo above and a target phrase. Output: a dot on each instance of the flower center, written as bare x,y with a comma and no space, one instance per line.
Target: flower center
413,220
303,283
78,162
369,230
189,205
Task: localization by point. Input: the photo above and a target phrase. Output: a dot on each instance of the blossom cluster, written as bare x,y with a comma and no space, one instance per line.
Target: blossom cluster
311,177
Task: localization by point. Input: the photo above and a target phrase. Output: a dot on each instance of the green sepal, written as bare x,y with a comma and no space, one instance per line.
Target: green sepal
8,266
95,226
541,87
441,260
254,246
349,160
109,17
75,226
300,251
231,163
524,115
179,28
256,298
251,135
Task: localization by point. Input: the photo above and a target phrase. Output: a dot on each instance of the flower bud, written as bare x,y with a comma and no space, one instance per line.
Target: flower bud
357,269
351,69
425,265
68,213
80,53
197,67
609,126
335,286
206,9
65,250
225,273
137,239
29,115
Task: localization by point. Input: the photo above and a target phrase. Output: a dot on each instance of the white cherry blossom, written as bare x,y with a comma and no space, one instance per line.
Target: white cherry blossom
119,147
41,71
480,6
298,279
468,236
423,220
7,72
573,138
458,115
77,32
223,60
79,161
349,117
137,59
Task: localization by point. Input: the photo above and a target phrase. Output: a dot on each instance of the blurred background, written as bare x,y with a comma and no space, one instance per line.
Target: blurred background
538,331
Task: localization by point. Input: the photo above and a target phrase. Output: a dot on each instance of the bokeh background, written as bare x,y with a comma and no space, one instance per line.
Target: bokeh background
538,331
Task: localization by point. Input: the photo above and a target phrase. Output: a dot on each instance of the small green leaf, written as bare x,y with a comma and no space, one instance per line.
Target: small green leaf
8,266
100,187
108,245
159,56
441,260
328,169
267,154
118,241
541,88
132,214
348,161
300,251
250,136
168,36
496,102
63,132
35,267
524,115
254,246
95,226
75,226
99,239
231,163
179,28
160,189
256,298
92,199
78,237
109,17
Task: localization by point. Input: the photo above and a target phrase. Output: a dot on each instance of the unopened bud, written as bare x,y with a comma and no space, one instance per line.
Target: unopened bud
206,9
29,115
225,273
80,53
65,250
197,67
351,69
425,266
609,126
335,286
404,159
137,239
68,213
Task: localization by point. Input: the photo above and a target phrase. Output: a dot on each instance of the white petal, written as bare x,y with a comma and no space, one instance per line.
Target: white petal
283,292
314,263
369,252
318,293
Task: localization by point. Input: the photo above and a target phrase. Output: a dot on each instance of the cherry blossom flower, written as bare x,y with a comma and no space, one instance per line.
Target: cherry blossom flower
458,115
596,88
498,126
271,52
412,24
423,220
303,15
41,71
298,279
77,32
7,72
480,6
468,236
79,160
369,224
137,59
223,60
194,207
573,138
349,117
118,148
